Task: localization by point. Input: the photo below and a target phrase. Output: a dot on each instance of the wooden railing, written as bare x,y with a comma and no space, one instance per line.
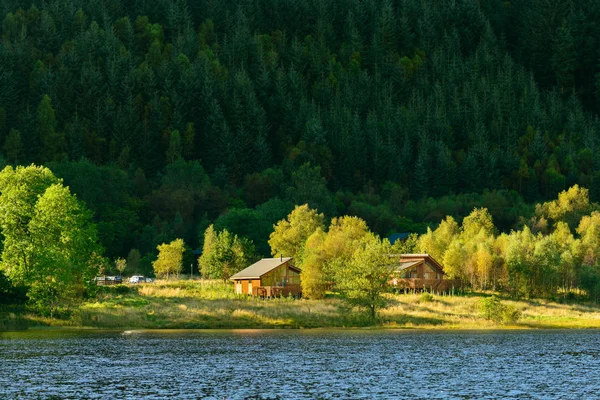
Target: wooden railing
436,285
279,291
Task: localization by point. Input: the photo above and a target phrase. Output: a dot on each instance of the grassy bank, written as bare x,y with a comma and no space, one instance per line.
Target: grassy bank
204,305
13,318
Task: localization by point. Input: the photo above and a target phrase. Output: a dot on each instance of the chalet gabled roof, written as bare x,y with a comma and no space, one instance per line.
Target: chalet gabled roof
408,264
414,259
259,268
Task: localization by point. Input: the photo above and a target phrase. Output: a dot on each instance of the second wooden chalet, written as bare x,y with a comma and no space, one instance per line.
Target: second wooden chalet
269,277
421,272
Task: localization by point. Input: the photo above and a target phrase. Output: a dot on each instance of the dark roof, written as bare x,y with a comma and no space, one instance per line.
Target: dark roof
398,236
258,269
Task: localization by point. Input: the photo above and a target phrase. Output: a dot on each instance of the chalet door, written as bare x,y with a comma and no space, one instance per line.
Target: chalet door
238,288
250,288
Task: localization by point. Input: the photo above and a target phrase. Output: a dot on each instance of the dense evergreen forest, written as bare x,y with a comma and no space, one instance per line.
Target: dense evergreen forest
165,116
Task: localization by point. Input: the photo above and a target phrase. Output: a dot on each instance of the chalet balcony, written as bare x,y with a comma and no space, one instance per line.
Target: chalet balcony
279,291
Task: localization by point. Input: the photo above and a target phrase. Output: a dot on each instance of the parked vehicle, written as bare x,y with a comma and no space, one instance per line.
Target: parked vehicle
108,280
140,279
137,279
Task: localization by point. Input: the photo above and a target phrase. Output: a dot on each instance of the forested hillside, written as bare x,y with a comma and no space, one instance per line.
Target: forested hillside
166,116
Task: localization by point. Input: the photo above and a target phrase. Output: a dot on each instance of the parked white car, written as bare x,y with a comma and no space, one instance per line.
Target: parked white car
139,279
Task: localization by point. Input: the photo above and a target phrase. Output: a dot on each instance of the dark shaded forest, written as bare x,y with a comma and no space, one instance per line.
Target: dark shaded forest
165,116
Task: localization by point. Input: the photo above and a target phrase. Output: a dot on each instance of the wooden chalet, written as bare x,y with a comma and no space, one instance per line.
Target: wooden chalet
421,272
269,277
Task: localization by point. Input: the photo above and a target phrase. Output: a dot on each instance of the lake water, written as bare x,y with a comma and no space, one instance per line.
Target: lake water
315,364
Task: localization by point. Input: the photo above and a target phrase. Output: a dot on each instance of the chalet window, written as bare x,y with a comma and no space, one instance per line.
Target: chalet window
274,278
293,278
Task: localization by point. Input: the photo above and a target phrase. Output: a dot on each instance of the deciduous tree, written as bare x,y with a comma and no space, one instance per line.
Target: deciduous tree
363,280
290,234
120,265
170,257
224,254
50,242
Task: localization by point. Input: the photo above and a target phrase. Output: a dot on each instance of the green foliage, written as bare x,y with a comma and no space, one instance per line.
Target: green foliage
308,186
50,242
133,260
224,254
52,142
364,279
290,234
426,297
120,265
175,149
436,242
408,111
19,190
107,192
491,308
325,251
478,222
146,268
510,315
590,281
9,294
68,238
170,257
380,92
13,147
534,261
313,276
410,245
255,224
570,206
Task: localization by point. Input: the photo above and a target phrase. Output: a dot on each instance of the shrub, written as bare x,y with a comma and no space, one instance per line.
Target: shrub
491,308
426,297
510,315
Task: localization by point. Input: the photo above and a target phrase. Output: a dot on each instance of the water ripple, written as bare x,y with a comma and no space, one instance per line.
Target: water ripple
300,364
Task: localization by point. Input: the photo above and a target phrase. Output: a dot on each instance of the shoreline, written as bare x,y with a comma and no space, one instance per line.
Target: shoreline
512,328
196,305
26,324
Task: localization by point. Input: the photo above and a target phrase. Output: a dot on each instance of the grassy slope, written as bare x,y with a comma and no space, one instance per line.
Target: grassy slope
196,304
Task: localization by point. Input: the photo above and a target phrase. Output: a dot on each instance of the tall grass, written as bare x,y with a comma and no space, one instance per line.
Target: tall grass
213,304
201,289
206,304
464,312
